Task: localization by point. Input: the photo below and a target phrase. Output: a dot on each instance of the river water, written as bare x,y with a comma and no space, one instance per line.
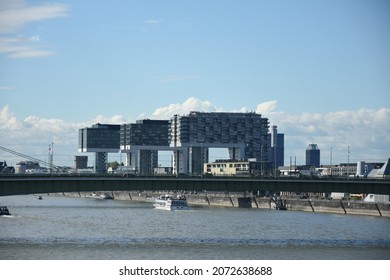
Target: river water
83,229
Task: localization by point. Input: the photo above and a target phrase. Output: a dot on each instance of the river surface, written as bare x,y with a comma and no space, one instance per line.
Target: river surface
84,228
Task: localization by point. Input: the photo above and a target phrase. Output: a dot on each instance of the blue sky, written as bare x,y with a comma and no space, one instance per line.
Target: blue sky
318,69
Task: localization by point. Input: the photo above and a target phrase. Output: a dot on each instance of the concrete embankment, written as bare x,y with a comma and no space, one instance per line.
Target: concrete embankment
238,200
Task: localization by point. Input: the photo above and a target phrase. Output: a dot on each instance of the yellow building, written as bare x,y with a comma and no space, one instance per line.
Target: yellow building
227,168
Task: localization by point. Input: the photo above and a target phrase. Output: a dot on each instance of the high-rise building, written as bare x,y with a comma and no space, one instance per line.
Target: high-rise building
313,155
245,135
141,142
100,139
277,147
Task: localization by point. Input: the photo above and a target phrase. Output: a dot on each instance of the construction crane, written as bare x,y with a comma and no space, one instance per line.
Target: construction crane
50,165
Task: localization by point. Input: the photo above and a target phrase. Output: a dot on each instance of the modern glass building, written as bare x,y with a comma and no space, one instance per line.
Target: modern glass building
144,133
189,138
245,135
99,139
141,142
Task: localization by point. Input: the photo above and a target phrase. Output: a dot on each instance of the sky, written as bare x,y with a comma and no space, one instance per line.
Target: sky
318,69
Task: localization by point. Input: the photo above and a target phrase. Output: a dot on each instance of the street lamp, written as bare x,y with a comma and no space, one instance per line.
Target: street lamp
348,164
331,154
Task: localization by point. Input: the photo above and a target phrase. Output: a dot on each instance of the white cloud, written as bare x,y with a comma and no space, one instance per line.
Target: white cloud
191,104
18,51
153,21
266,107
148,24
8,121
14,15
242,110
35,38
5,88
366,131
117,119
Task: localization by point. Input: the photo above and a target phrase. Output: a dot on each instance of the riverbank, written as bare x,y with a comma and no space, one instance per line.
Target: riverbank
345,207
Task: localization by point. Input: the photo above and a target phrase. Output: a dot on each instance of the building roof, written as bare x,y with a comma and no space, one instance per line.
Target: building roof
312,147
384,171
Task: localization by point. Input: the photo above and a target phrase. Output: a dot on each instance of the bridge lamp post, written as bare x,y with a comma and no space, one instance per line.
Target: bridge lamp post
331,155
348,164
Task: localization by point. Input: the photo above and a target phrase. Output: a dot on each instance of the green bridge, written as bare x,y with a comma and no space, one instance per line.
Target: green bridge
19,185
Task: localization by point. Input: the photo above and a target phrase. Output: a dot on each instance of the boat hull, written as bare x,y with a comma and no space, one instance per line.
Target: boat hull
171,204
170,207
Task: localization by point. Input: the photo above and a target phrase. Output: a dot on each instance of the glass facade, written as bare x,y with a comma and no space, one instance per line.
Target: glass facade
145,133
223,129
99,138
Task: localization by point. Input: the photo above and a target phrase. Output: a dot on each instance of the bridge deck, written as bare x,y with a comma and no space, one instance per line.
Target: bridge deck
15,185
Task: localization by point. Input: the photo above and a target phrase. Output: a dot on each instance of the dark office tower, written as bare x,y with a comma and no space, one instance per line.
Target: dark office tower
313,155
277,147
100,139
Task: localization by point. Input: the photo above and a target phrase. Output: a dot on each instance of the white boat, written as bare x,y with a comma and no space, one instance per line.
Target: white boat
170,203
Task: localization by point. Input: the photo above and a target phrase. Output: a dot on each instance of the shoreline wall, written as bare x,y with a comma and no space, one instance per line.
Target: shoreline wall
345,207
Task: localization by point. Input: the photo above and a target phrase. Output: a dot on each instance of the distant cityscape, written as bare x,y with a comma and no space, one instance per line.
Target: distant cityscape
255,149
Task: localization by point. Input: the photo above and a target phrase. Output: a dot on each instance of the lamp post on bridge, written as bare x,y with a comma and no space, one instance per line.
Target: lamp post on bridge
331,155
348,165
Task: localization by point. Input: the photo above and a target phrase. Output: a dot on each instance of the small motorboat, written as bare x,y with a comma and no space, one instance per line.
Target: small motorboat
4,211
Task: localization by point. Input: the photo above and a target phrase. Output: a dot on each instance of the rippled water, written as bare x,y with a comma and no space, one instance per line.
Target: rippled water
81,228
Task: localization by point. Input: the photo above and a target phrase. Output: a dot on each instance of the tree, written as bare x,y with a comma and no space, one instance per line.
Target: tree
114,165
